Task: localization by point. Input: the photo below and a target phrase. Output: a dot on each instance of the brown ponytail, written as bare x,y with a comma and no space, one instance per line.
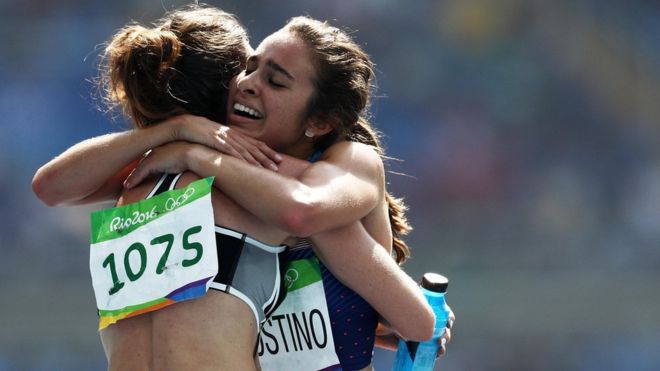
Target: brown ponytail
140,65
364,133
183,64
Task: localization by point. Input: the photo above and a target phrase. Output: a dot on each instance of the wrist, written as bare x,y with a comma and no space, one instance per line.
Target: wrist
171,131
156,135
198,156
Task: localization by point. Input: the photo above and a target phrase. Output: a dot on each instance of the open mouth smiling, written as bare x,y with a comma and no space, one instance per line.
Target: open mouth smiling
248,112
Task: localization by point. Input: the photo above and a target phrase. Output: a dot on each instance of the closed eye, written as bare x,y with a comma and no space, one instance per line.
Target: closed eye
275,84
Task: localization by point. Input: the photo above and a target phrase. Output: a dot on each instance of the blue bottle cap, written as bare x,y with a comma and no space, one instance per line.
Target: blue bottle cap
435,282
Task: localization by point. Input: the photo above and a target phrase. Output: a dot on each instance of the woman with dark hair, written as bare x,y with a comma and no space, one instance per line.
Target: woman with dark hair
304,92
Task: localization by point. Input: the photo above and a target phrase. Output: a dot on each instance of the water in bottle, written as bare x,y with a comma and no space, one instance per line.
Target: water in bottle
420,356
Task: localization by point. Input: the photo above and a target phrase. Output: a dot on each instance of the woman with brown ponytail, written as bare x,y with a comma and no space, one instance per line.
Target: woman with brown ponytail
304,92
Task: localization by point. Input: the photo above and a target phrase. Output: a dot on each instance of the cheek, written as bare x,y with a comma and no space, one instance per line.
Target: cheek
233,88
234,81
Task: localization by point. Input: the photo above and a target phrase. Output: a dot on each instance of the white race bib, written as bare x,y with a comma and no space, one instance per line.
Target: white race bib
298,336
153,253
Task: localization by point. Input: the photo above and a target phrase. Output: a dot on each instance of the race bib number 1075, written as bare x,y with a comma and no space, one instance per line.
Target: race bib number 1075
153,253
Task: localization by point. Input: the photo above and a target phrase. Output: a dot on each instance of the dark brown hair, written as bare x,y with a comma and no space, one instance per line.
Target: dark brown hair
182,64
343,86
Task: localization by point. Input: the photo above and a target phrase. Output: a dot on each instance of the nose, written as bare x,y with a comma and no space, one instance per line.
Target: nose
248,84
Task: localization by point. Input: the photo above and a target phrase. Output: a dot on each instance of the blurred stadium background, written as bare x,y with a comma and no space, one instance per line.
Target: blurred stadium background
528,132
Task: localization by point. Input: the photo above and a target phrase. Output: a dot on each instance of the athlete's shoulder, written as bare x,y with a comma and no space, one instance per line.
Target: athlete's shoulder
346,146
353,152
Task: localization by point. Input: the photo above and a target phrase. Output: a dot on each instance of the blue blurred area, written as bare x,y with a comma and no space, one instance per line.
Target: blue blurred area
528,136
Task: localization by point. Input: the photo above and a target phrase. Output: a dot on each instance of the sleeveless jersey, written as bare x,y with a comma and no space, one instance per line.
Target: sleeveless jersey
353,320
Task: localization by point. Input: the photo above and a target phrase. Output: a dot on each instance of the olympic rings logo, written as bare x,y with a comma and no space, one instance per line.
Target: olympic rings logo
172,203
290,277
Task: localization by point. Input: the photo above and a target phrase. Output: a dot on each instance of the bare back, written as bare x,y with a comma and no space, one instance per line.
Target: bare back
217,330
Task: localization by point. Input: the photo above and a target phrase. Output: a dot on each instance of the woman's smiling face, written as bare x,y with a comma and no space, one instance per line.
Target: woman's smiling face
268,100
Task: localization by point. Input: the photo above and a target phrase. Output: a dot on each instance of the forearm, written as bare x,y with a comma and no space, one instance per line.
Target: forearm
276,197
367,268
93,170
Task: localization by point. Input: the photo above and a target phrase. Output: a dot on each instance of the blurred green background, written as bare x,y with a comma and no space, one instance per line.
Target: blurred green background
528,133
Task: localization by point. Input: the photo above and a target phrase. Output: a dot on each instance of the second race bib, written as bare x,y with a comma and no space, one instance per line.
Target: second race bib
298,336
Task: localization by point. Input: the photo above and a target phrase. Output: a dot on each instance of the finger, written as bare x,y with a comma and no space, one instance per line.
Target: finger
141,171
450,319
247,148
236,150
269,152
228,149
261,152
224,145
442,349
447,335
264,160
128,182
134,178
247,156
243,147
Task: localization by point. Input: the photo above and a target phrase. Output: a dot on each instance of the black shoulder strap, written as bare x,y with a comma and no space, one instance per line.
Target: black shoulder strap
165,183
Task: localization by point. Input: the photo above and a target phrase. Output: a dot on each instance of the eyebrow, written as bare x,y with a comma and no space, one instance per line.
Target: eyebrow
280,69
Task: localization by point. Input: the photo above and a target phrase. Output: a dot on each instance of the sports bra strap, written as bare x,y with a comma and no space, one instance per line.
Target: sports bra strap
315,156
167,182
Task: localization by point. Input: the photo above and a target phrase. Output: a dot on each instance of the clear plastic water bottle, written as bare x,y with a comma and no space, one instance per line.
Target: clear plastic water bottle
412,355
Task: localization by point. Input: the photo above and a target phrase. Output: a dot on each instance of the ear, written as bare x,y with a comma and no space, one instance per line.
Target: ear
320,128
